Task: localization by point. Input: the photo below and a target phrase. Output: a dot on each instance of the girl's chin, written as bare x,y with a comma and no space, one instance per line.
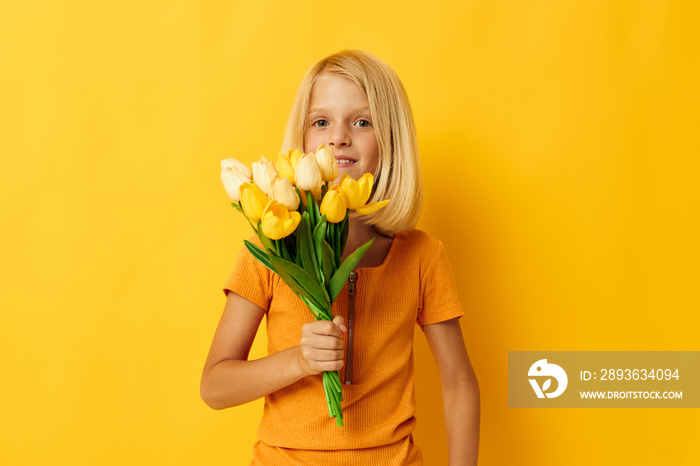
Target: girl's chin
351,170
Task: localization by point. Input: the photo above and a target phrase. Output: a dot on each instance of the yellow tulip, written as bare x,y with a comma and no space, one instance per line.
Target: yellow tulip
327,163
264,172
294,156
334,206
282,191
307,174
285,165
277,221
357,194
253,201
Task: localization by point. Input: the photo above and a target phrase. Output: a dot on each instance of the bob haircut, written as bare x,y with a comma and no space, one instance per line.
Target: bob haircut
398,174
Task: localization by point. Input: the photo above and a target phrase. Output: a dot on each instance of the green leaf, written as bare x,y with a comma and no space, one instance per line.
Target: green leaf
290,245
303,247
344,271
333,241
292,282
319,313
344,230
317,212
259,254
309,287
236,206
328,261
318,236
285,253
266,242
310,262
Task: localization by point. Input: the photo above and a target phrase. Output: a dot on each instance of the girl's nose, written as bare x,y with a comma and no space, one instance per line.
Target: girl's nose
339,137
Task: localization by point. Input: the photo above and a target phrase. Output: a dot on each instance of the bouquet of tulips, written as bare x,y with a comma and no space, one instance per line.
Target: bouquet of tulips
301,219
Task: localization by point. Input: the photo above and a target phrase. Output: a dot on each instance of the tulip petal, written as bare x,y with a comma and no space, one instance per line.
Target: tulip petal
369,208
236,166
365,185
352,192
326,163
272,227
277,222
263,174
253,201
231,184
285,167
292,224
282,191
334,205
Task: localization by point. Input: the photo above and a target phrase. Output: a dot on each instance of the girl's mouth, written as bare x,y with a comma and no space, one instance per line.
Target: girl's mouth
344,162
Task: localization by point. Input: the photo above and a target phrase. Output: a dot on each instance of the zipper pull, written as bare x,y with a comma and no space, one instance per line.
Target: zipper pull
351,284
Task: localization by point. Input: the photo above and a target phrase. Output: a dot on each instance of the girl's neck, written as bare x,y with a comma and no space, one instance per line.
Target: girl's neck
359,234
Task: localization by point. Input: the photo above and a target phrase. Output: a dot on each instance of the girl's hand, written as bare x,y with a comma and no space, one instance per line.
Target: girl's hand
320,347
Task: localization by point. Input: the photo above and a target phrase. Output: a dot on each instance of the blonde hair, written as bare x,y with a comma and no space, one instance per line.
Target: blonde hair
398,174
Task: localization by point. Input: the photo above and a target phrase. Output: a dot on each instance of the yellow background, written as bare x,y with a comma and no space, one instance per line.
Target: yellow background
560,153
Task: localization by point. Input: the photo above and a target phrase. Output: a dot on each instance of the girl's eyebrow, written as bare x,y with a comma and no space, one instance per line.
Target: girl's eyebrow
324,110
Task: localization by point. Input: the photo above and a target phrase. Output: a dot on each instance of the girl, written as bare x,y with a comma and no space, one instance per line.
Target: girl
354,103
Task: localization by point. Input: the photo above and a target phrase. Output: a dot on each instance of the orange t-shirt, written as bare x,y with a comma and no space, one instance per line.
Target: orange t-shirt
414,285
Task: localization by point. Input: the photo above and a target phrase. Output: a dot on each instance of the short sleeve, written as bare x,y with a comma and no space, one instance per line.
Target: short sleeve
250,278
439,300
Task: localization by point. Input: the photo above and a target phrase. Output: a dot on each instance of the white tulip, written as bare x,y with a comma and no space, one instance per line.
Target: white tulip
264,172
284,192
237,166
307,175
327,163
232,181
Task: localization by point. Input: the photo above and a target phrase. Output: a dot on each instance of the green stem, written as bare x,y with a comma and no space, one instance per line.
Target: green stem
277,248
301,201
240,207
341,233
335,378
283,248
338,247
312,211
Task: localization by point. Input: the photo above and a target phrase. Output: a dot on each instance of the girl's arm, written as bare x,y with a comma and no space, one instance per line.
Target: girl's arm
229,379
460,391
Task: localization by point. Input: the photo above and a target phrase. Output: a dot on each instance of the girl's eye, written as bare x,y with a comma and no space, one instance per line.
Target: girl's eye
363,123
320,123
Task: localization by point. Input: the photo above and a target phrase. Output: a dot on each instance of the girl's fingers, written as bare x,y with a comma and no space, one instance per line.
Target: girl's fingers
340,322
328,355
322,327
321,346
324,342
330,365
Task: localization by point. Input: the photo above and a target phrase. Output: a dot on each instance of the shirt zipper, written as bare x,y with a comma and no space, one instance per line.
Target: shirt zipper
351,321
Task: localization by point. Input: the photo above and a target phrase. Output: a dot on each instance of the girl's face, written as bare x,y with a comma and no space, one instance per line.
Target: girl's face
339,117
